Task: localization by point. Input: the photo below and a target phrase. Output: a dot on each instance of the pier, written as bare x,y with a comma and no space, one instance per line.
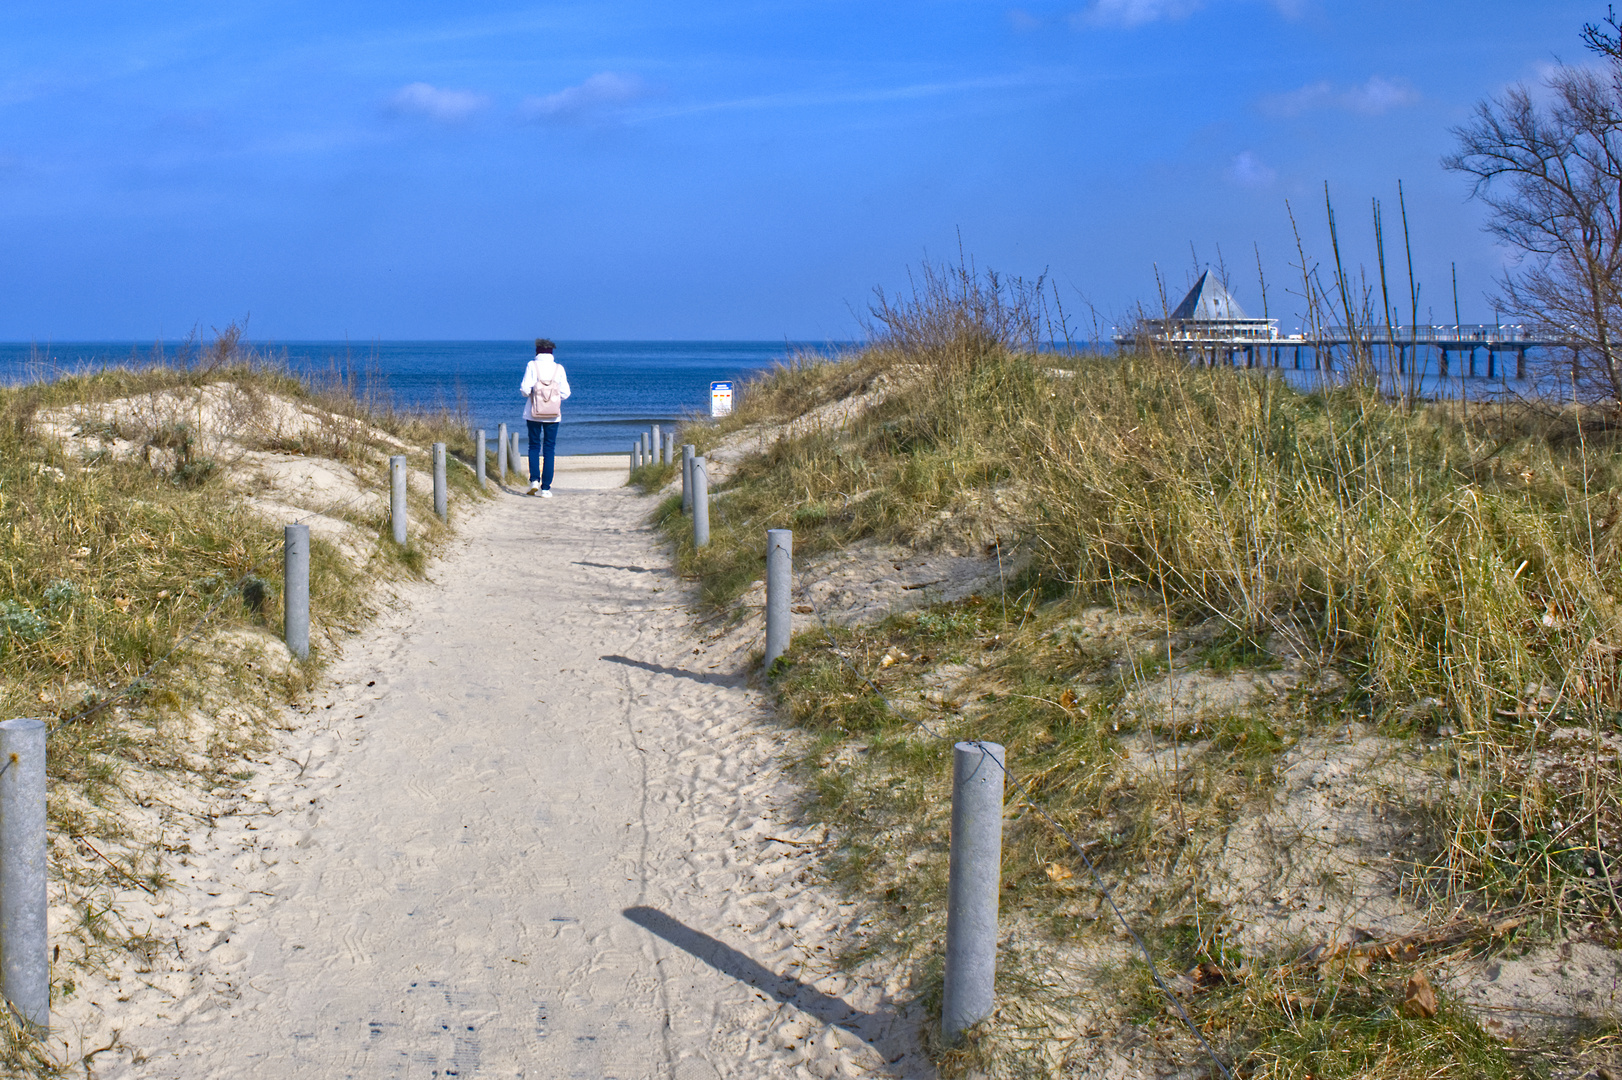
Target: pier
1210,328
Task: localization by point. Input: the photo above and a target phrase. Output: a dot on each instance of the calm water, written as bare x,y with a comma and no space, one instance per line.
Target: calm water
619,387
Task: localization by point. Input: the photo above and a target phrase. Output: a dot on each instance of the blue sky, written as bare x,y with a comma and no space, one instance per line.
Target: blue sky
715,170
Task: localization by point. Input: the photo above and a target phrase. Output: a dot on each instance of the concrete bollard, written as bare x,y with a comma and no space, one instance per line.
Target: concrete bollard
25,965
295,590
658,446
439,480
779,583
636,454
501,453
646,455
972,886
670,448
480,452
514,456
701,505
397,496
687,452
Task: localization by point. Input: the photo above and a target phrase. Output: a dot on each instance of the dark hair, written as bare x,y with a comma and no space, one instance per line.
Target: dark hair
544,345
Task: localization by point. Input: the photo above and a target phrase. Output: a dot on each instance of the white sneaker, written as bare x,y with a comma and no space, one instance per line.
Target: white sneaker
547,494
534,486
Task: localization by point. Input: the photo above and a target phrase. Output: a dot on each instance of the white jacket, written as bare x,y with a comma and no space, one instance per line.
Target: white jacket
542,369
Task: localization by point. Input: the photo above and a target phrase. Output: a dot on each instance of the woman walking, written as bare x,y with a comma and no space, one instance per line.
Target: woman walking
544,387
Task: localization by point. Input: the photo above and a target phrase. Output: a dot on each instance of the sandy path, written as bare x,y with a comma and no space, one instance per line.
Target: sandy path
527,833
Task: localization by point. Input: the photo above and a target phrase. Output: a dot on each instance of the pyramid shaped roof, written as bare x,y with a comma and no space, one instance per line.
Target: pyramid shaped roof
1208,301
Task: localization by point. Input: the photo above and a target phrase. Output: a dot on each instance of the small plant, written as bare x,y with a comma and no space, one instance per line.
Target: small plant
810,514
173,436
20,622
949,623
413,558
105,430
60,593
1235,650
190,472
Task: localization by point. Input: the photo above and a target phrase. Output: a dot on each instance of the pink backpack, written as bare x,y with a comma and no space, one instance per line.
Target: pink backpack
546,400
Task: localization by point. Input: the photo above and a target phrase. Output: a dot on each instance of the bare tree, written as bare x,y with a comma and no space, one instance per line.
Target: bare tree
1551,172
1606,42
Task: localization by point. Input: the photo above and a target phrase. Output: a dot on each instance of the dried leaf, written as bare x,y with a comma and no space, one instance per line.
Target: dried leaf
1420,1001
1057,872
1068,699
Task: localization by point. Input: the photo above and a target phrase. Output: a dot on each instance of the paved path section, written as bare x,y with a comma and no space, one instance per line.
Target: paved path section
531,834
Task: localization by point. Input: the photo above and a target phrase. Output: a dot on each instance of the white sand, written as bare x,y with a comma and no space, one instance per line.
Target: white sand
527,832
583,472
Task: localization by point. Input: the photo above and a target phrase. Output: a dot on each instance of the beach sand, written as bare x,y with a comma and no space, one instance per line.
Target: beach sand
582,472
529,828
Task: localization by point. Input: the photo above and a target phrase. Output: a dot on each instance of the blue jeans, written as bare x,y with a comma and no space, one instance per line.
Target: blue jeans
540,432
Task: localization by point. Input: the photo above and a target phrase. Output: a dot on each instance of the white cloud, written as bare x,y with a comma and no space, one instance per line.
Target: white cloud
1377,95
444,106
1129,13
1316,95
602,91
1248,170
821,98
1381,95
1135,12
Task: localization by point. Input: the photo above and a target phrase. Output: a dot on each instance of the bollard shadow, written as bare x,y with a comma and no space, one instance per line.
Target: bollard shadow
785,988
680,673
611,566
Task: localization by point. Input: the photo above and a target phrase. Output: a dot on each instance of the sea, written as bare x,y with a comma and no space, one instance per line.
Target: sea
619,388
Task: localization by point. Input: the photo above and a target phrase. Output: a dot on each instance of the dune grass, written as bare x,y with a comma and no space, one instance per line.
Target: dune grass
1461,566
133,591
652,477
1456,565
